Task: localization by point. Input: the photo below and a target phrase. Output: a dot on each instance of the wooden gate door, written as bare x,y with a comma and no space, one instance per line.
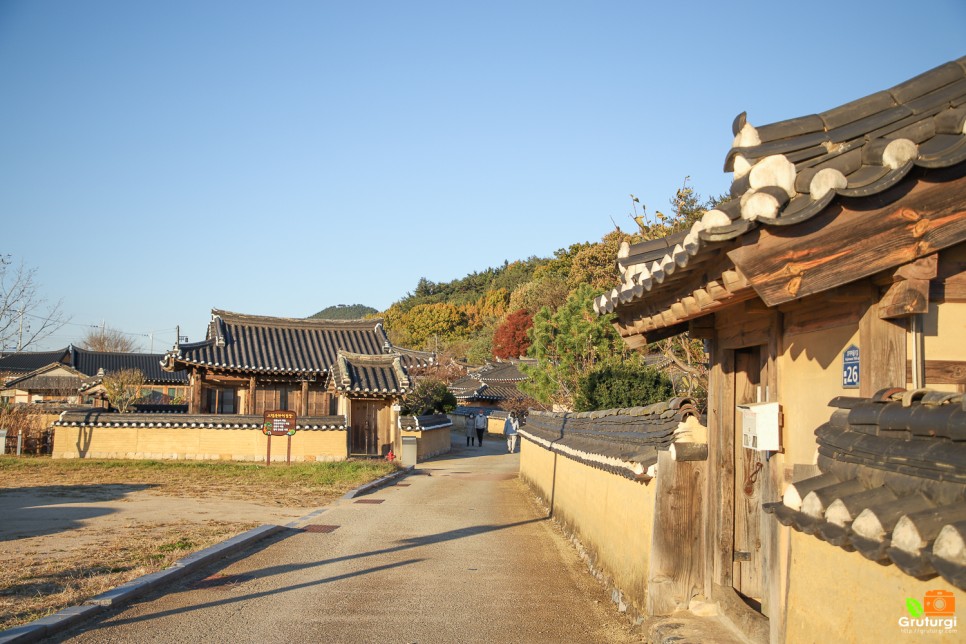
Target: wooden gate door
750,473
369,433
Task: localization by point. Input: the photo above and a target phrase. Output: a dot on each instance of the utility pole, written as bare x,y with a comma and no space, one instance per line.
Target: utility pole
20,338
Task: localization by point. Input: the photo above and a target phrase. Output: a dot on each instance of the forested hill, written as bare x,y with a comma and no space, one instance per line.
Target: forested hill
461,317
345,312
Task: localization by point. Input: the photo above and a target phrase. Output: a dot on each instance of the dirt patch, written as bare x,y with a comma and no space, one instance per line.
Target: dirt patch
73,530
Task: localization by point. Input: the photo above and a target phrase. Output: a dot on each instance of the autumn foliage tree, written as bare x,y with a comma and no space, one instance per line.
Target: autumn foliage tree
511,339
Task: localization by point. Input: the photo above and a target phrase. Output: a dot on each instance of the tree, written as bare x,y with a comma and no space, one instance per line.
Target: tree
568,344
108,339
547,290
621,385
428,397
123,388
512,339
26,317
596,264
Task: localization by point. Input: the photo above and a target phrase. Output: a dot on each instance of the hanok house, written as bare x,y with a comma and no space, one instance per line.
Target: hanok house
831,292
492,385
74,376
251,364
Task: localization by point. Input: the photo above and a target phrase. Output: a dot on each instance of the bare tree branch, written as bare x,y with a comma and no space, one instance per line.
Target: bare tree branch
26,317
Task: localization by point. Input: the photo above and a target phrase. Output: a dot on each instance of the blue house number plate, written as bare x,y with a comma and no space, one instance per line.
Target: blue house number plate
850,368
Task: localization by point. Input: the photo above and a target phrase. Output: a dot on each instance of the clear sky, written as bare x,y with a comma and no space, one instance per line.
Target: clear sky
158,159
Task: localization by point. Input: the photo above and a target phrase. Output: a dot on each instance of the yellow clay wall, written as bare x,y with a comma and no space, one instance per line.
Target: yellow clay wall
200,444
839,596
611,516
430,443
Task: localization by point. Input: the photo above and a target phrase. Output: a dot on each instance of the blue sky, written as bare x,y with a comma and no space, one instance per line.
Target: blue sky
160,159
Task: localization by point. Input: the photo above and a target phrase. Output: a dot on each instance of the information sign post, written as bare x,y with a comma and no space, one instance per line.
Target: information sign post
280,422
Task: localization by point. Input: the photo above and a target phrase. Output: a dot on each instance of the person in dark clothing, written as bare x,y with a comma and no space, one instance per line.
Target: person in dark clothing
470,427
480,427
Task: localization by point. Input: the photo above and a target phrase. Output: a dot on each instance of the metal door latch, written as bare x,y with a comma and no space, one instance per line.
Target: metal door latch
752,478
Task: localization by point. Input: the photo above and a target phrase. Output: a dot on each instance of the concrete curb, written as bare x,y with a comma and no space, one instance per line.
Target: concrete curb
362,489
69,617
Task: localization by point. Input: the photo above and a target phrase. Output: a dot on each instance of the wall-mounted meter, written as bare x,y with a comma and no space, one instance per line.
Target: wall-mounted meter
759,426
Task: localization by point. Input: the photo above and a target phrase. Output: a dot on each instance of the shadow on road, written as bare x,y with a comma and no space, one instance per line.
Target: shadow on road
26,513
264,573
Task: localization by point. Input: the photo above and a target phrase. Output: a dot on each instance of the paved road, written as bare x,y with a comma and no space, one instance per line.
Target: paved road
456,552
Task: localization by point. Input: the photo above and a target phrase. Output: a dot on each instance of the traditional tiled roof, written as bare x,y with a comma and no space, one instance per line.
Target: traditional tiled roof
466,410
92,362
383,375
892,483
622,441
787,173
271,345
502,372
38,381
424,423
89,364
412,358
101,418
491,382
26,361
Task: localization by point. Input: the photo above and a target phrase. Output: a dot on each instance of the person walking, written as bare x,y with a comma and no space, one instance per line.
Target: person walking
470,427
480,427
510,427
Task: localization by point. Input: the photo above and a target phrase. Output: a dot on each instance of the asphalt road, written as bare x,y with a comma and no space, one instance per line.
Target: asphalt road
455,552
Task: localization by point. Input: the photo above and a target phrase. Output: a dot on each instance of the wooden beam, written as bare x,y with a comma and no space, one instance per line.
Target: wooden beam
702,328
941,372
843,245
905,298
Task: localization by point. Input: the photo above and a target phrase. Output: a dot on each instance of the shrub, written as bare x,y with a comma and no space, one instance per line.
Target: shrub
624,385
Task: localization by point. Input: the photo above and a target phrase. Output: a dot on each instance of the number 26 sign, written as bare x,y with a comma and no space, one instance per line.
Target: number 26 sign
850,368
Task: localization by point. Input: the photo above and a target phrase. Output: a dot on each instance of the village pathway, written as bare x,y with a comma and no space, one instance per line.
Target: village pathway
455,552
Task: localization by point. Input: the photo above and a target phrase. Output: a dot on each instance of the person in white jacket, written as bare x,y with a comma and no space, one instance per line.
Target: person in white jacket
510,427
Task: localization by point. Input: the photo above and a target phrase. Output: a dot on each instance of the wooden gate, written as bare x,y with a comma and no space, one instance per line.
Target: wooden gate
748,570
369,434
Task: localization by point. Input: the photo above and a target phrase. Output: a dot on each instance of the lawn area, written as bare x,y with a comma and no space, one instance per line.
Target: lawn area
43,573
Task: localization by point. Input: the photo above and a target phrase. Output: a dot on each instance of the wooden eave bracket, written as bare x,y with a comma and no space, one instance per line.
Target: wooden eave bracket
689,312
909,293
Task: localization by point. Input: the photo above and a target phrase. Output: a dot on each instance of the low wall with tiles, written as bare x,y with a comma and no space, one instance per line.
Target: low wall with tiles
196,443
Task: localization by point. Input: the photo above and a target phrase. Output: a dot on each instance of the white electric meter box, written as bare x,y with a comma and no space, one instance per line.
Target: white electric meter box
759,426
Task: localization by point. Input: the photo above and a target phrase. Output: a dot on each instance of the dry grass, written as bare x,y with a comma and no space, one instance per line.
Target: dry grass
301,485
35,584
42,583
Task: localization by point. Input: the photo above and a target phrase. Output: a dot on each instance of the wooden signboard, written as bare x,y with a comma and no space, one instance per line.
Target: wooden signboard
280,422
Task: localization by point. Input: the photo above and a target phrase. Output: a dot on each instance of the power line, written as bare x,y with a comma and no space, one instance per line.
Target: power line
146,334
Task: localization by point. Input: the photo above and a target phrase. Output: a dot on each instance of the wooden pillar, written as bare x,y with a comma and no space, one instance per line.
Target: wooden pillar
677,558
304,402
194,400
251,396
882,351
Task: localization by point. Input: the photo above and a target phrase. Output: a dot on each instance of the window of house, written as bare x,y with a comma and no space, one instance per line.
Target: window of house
221,401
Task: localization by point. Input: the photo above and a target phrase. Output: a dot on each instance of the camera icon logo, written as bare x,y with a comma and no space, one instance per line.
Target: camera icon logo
939,603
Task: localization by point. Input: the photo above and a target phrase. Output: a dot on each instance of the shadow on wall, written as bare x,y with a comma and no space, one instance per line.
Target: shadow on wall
824,347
